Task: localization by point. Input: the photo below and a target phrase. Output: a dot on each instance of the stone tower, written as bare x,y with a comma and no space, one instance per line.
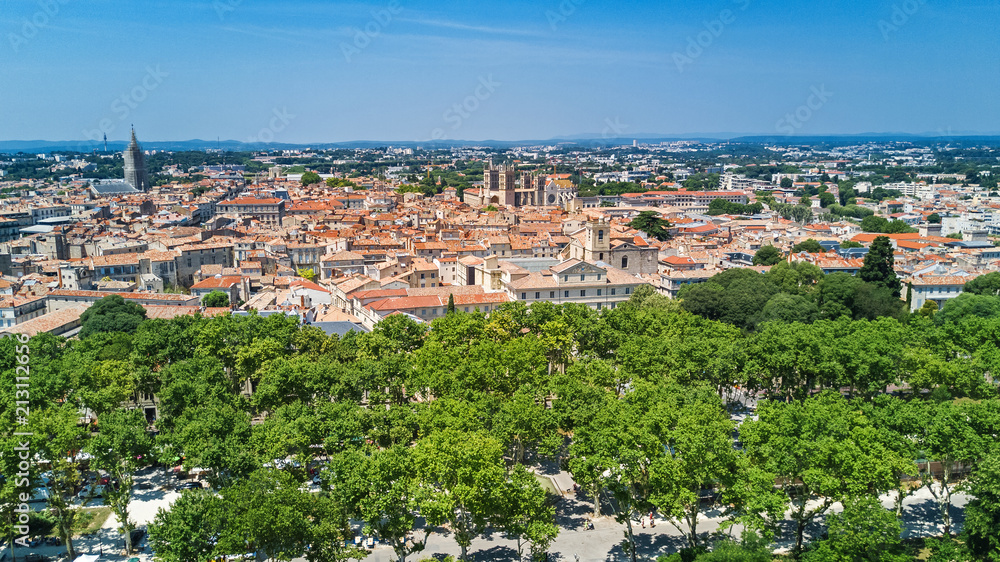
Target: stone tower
135,166
598,241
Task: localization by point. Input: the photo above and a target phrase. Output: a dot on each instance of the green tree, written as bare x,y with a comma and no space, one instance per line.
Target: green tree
874,223
929,309
463,481
767,255
968,305
451,303
306,273
384,490
951,434
878,266
934,218
848,244
982,515
700,457
827,199
309,178
614,452
266,512
527,515
111,314
215,299
122,447
63,442
863,532
818,451
651,223
786,183
189,530
988,284
787,308
809,245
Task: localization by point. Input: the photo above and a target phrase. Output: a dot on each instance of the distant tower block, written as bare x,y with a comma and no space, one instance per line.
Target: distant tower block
135,166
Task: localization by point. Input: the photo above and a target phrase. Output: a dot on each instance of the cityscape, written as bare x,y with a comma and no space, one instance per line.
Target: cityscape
449,302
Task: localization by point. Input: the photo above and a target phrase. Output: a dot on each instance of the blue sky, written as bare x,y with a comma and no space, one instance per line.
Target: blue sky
311,71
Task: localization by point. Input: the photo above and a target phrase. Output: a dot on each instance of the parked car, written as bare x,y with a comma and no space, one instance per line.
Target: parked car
39,495
193,485
93,491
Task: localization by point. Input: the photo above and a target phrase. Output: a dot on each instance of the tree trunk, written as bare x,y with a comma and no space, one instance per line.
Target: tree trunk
946,498
597,500
465,553
800,524
693,525
631,538
800,528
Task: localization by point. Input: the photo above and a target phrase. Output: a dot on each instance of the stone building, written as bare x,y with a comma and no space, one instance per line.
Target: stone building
135,166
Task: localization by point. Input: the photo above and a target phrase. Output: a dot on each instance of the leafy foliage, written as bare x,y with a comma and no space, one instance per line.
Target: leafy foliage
111,314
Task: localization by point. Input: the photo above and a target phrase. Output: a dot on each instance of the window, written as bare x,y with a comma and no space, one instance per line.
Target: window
612,291
600,236
537,295
599,292
566,294
583,292
422,275
524,296
624,262
565,277
466,309
627,290
552,294
583,277
598,276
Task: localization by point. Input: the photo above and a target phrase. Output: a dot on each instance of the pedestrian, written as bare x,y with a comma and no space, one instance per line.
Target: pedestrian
652,523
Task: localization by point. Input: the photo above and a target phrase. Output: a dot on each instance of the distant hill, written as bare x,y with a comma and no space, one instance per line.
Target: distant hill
593,140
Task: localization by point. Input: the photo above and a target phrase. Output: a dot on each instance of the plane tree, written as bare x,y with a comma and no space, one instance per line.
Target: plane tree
121,447
819,451
699,458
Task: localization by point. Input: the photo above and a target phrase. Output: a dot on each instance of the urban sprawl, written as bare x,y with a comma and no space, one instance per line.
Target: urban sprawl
586,351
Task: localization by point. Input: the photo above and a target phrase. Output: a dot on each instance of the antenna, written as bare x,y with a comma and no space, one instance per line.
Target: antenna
105,143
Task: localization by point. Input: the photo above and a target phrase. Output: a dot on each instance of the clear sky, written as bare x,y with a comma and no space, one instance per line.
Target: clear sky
327,71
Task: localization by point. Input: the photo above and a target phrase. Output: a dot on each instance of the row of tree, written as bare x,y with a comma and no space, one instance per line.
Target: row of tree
416,428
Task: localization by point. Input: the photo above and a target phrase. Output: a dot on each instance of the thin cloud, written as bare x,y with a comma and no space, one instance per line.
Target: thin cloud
469,27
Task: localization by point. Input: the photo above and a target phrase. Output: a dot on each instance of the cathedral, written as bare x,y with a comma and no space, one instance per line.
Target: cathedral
503,185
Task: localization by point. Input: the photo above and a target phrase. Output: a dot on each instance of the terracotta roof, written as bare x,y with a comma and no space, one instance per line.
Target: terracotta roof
224,282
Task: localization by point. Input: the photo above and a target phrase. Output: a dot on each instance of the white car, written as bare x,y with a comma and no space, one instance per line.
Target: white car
39,495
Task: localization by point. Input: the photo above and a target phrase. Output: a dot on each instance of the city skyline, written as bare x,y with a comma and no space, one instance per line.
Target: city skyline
260,72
